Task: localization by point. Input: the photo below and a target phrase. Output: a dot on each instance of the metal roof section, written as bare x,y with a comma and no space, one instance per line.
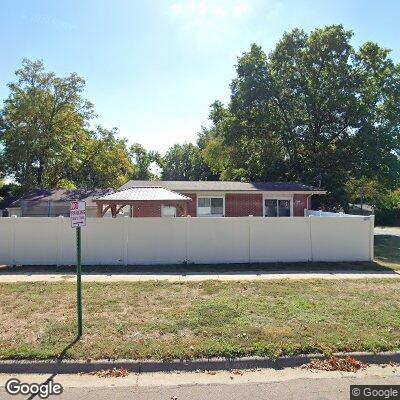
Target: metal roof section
144,194
226,186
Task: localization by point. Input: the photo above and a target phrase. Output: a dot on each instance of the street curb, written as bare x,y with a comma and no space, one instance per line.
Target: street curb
76,366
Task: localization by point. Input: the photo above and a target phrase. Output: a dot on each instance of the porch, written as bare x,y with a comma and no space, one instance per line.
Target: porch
144,202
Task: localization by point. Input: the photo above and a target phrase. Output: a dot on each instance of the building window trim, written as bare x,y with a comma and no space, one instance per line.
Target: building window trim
210,215
277,198
166,215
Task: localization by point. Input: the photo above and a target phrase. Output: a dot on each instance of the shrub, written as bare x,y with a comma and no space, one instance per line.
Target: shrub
387,209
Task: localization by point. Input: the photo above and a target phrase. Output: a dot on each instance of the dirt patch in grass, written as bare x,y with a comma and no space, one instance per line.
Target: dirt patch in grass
201,319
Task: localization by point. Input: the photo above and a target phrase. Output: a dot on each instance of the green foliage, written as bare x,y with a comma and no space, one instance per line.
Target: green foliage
10,190
371,192
46,139
104,160
216,155
143,160
184,163
313,107
387,210
386,203
42,122
66,184
378,138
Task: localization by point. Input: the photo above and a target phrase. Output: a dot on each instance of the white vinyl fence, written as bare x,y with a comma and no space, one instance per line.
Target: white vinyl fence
320,213
128,241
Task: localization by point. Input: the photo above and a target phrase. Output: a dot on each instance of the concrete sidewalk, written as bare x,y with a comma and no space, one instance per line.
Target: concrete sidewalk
289,383
239,276
389,230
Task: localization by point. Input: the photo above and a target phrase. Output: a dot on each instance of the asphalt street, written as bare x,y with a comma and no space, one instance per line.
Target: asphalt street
291,383
302,389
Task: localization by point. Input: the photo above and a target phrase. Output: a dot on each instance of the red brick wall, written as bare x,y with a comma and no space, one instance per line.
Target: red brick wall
299,204
192,205
147,209
153,208
242,205
236,205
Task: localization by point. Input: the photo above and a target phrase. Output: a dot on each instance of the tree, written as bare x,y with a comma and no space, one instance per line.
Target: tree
41,124
143,160
184,163
312,107
10,190
104,161
378,138
46,140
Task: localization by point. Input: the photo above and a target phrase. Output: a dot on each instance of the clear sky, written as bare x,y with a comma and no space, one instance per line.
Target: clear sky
152,68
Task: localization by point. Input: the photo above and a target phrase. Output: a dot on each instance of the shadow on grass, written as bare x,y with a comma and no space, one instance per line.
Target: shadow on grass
387,248
58,360
204,269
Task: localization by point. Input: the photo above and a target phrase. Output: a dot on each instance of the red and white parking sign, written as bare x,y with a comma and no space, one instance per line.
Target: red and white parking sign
77,214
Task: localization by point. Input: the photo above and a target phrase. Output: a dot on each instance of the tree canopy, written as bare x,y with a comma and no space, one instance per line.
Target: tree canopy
313,107
143,160
185,163
46,138
42,123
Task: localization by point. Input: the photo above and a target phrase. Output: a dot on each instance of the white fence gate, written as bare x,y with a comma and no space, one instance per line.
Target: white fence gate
129,241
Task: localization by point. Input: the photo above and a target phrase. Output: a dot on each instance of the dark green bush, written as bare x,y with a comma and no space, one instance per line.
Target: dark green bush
387,209
387,217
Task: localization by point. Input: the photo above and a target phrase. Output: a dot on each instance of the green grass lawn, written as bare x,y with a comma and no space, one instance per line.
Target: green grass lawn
201,319
387,250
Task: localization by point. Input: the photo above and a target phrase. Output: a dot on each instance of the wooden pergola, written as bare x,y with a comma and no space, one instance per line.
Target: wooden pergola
141,197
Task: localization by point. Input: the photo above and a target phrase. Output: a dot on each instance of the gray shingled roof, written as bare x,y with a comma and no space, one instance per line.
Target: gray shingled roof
5,203
62,195
225,186
144,194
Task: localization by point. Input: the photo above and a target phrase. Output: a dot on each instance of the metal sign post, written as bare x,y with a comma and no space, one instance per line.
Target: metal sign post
78,218
79,280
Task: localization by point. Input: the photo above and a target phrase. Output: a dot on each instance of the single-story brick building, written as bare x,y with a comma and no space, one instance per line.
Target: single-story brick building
210,199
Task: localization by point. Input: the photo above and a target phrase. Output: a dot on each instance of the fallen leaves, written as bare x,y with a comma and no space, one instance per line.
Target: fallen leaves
205,371
111,373
348,364
236,372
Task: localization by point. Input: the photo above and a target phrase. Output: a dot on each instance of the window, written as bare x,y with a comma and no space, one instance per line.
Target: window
210,206
271,209
168,211
277,208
